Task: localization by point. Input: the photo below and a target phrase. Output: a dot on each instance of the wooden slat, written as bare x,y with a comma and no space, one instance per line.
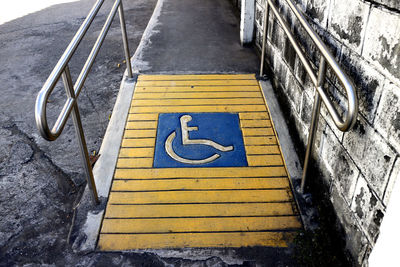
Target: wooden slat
264,160
187,77
262,150
255,123
259,140
139,133
237,108
142,117
164,89
145,142
199,184
197,82
198,95
194,102
257,131
109,242
236,196
136,152
199,210
134,163
189,172
141,125
179,225
254,116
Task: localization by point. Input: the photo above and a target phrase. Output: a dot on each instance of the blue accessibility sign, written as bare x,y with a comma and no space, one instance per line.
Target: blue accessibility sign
199,140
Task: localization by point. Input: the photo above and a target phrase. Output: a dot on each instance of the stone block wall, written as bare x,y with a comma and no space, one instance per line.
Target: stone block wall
360,166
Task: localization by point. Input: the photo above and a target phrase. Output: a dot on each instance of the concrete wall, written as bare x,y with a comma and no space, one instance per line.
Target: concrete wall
359,167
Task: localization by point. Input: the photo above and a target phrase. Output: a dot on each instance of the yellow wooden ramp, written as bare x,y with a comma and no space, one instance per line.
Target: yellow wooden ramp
199,166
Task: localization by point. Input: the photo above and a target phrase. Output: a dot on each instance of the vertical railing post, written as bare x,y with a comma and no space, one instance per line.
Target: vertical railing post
314,121
125,39
66,76
265,28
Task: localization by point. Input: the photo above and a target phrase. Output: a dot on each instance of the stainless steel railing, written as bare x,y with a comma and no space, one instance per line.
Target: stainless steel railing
318,80
73,90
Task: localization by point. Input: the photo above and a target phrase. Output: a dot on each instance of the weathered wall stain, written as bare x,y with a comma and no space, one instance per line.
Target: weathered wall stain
353,30
360,202
359,166
396,124
390,56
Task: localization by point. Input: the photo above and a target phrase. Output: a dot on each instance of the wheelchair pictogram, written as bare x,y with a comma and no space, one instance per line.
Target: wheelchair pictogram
185,129
199,140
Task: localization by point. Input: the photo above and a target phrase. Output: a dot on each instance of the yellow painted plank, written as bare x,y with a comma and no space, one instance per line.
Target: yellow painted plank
196,77
197,82
108,242
191,172
181,95
139,133
257,131
194,102
145,142
179,225
142,117
255,123
264,160
164,89
136,183
198,184
199,210
136,152
134,163
259,150
141,125
259,140
254,116
237,108
272,195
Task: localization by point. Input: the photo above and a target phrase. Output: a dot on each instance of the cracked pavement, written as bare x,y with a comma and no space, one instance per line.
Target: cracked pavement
41,181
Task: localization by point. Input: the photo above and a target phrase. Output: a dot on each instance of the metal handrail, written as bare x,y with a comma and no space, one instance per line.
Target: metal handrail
318,81
73,90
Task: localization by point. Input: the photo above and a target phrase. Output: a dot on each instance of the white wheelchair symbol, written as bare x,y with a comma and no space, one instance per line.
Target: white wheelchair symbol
186,141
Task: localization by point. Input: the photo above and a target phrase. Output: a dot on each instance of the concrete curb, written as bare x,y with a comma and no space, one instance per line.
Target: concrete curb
88,216
137,63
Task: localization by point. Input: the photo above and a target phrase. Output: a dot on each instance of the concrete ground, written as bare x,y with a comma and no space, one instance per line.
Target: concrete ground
192,36
41,181
197,36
